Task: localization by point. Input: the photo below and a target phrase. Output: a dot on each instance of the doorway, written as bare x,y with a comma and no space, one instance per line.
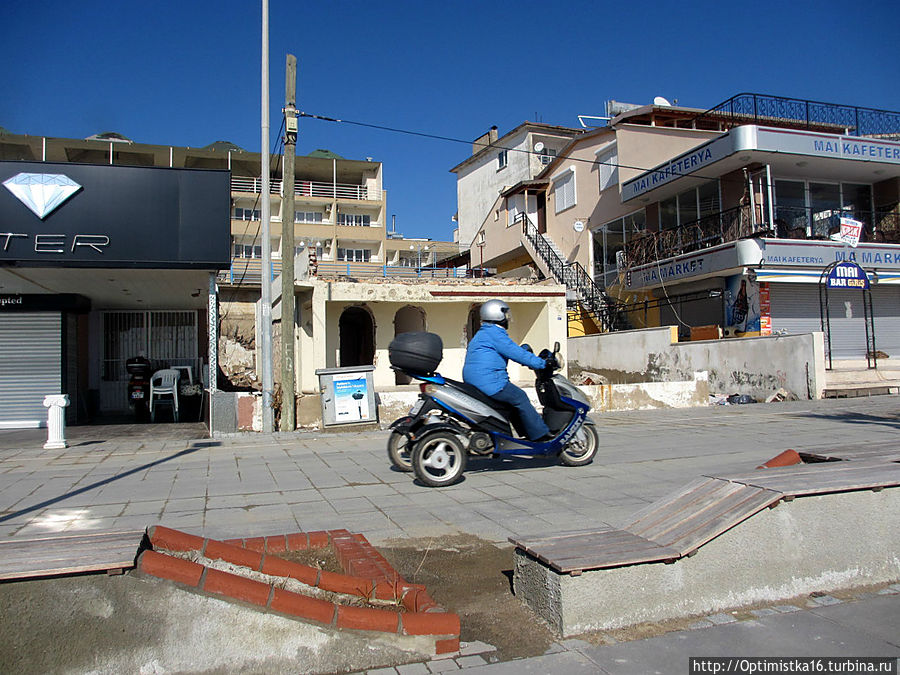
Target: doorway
407,319
357,337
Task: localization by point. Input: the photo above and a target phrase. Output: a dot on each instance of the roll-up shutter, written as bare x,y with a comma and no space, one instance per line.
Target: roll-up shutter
30,367
795,309
886,306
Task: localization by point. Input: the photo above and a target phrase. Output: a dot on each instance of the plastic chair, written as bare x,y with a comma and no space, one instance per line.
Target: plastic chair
164,385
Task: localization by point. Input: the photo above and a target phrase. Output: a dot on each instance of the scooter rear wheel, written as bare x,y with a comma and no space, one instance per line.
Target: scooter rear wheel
582,448
439,459
398,451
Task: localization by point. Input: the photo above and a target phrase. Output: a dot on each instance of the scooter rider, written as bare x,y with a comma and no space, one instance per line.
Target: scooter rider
485,366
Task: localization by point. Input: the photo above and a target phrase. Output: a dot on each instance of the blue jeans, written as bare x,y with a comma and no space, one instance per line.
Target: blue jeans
533,423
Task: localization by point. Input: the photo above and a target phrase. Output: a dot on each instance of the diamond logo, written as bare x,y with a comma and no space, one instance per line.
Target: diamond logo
42,192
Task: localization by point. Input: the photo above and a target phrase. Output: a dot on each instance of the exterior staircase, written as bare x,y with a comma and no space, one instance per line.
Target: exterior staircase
580,287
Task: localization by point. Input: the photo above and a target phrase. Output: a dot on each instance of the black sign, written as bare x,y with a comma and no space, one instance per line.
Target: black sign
35,302
81,215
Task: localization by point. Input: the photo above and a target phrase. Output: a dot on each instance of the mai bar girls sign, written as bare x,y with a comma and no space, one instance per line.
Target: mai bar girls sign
847,275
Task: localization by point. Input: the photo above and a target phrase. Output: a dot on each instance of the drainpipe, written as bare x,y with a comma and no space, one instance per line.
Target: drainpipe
752,198
771,202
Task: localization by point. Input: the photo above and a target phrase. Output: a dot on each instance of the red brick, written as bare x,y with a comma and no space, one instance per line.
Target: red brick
233,542
342,583
363,568
340,534
303,606
276,544
173,540
430,623
297,542
418,600
216,550
318,539
446,646
257,544
237,587
364,618
279,567
167,567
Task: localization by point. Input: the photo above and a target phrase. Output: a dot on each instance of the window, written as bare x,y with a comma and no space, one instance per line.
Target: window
689,206
247,251
564,190
501,159
307,217
354,254
547,155
246,214
608,168
514,208
610,240
354,220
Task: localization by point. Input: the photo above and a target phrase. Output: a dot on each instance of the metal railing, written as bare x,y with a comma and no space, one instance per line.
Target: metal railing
748,108
248,271
306,188
738,223
574,277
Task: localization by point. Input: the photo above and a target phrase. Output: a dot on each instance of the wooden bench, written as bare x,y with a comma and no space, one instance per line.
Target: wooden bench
49,556
679,524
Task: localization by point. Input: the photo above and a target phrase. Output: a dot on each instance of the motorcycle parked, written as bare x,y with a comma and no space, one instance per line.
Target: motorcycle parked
452,420
139,386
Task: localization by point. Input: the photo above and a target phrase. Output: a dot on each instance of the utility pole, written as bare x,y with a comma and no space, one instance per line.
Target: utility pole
288,403
265,332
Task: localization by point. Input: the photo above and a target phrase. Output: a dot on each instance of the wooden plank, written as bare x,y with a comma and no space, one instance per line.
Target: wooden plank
21,559
670,514
534,539
696,486
860,477
549,552
660,554
816,468
687,539
666,533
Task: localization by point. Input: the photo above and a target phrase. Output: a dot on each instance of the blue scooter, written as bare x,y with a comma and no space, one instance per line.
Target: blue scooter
452,420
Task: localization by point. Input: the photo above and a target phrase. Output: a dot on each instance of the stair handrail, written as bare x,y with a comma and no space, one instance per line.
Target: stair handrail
571,274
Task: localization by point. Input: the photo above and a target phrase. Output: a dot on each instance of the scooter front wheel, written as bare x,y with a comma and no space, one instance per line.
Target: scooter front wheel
398,451
582,448
439,459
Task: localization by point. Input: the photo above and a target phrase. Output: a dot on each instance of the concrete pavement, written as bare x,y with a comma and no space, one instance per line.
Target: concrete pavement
124,478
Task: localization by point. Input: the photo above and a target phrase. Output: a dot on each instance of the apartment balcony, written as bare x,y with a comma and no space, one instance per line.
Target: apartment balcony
305,189
740,223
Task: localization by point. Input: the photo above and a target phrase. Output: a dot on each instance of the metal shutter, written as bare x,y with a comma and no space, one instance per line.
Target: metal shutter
886,306
30,367
795,309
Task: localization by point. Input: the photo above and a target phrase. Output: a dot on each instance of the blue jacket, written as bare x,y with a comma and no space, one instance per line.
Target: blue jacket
487,355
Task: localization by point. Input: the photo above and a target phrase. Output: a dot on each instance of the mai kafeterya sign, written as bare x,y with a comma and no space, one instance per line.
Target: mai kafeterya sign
85,215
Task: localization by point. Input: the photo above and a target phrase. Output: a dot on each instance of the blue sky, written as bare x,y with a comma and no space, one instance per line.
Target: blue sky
188,72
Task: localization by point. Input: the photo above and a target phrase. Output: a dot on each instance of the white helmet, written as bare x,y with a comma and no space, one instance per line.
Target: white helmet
495,311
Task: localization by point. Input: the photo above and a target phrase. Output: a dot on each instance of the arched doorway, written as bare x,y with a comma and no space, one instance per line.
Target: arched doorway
357,337
406,320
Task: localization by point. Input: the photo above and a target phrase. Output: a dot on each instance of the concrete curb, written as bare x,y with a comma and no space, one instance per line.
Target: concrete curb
370,576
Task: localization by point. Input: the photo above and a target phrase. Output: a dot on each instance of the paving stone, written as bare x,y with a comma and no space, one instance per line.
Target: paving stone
764,611
721,618
786,609
442,666
413,669
476,647
825,600
470,661
382,671
703,623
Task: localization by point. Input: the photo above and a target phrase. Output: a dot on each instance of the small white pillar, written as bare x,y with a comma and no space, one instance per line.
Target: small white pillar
56,421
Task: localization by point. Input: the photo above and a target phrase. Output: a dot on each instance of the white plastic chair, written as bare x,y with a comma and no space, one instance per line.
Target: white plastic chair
164,385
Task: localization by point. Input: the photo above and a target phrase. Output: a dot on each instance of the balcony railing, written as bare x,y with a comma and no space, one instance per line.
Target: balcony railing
306,188
737,223
798,113
248,271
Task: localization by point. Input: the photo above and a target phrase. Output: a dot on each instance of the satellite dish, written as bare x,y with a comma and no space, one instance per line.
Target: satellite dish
538,147
659,100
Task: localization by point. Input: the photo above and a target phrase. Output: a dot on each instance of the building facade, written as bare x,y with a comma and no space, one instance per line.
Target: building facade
724,218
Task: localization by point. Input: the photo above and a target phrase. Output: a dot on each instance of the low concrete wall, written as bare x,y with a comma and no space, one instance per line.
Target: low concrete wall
603,398
819,543
758,366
